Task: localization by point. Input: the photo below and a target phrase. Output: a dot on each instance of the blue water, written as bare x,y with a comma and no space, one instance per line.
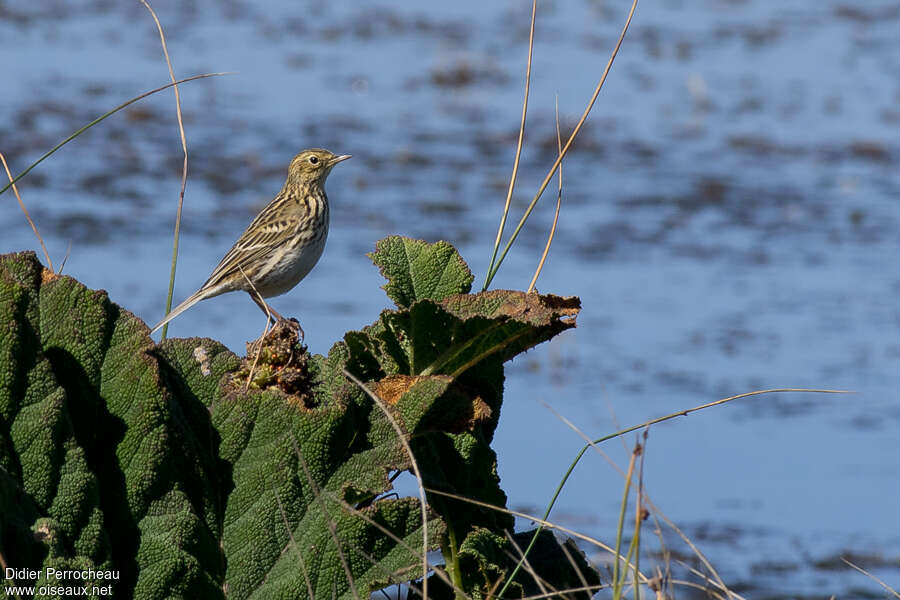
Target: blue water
730,222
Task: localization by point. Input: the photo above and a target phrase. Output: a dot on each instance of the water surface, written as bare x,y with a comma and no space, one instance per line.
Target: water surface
730,222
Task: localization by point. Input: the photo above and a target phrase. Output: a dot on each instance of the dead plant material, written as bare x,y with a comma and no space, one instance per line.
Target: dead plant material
47,276
540,266
391,388
532,307
162,38
466,405
12,182
277,361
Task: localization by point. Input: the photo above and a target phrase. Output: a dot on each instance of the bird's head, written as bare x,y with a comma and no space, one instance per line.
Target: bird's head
313,165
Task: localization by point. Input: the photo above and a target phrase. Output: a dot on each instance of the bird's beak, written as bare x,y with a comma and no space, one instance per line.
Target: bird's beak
338,159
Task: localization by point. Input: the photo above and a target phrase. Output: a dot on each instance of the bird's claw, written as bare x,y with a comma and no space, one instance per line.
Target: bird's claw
293,324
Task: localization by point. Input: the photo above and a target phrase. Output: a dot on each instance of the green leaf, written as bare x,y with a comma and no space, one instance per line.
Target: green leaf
416,270
500,322
455,334
301,519
193,473
464,339
121,455
96,440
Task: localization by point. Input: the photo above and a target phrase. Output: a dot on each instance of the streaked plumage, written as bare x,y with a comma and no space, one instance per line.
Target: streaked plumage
282,244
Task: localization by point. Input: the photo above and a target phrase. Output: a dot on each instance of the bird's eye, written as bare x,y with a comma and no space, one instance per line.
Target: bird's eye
313,160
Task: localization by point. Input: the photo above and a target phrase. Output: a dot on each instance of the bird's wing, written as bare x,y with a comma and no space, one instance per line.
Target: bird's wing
267,231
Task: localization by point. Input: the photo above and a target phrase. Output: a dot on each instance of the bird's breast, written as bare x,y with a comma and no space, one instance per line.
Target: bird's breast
293,260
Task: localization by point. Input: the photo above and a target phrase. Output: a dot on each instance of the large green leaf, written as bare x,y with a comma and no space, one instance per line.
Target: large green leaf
416,270
192,473
102,450
461,340
118,454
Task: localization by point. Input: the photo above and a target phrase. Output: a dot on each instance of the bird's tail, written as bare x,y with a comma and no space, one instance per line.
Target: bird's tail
201,294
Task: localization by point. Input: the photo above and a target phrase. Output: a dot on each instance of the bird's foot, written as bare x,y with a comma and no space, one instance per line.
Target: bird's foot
292,324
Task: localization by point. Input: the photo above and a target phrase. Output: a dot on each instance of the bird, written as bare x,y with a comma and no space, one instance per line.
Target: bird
281,245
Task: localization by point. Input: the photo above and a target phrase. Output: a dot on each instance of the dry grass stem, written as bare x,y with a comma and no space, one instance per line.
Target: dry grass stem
663,579
438,572
716,582
697,586
642,497
873,578
593,444
646,499
564,593
264,333
515,171
84,128
574,565
415,466
540,266
543,585
184,168
639,516
538,521
25,210
565,149
65,258
332,528
716,578
584,437
287,527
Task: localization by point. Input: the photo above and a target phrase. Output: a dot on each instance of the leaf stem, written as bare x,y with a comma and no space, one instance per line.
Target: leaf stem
452,561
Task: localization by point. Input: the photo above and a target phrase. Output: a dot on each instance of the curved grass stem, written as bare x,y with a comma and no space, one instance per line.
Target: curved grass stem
184,168
622,432
515,171
496,266
540,266
27,216
81,130
401,435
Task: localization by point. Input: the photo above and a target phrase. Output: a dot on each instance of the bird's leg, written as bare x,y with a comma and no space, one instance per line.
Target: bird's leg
264,306
275,317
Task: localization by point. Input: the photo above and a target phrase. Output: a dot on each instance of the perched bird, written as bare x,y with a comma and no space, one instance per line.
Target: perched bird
282,244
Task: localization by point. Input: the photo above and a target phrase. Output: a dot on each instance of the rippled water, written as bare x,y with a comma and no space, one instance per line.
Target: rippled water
730,221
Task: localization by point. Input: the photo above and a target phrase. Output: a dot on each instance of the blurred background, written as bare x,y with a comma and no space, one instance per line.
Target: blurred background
730,222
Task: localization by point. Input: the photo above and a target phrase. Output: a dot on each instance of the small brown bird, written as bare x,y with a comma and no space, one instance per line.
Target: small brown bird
282,244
